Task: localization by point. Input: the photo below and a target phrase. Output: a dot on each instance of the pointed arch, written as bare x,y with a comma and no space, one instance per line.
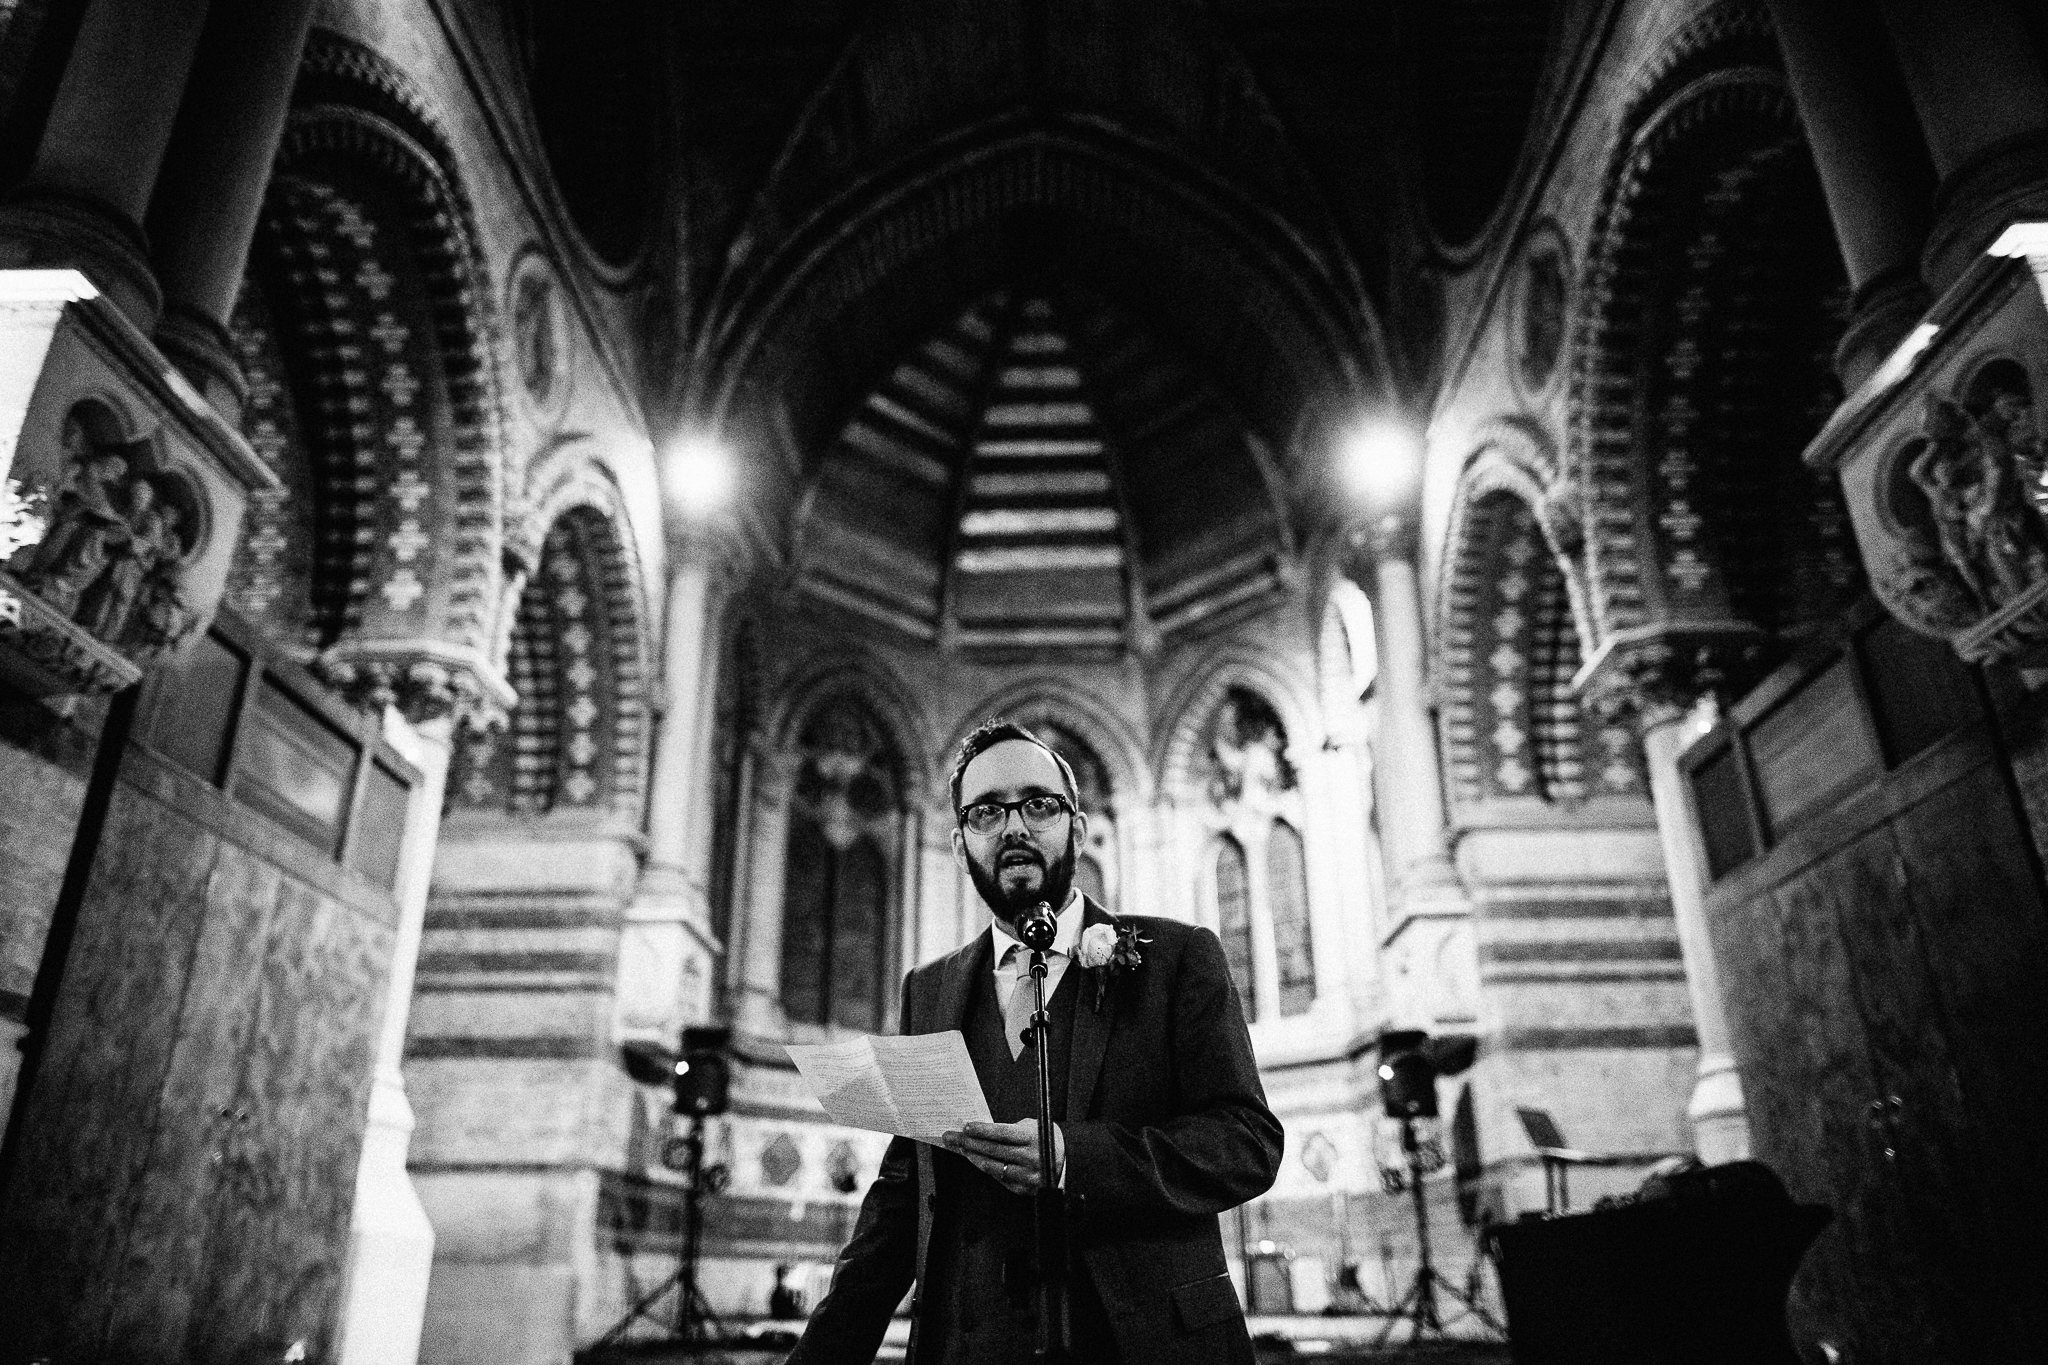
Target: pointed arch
1193,705
1701,368
577,736
367,315
842,868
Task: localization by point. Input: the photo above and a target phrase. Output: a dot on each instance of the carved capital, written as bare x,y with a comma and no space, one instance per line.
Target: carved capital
1660,671
124,488
424,679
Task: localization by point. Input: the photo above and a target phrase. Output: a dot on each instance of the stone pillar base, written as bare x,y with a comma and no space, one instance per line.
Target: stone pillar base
391,1244
1886,310
201,348
42,230
1720,1122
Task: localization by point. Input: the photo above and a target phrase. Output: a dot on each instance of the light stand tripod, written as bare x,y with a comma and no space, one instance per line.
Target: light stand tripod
1418,1305
696,1326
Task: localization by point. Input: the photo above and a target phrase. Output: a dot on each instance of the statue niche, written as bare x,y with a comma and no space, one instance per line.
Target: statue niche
1246,751
112,556
1969,492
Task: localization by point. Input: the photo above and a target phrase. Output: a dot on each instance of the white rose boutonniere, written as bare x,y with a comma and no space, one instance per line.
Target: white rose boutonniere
1107,951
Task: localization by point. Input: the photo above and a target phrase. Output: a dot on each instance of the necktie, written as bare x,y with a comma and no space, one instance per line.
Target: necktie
1017,1009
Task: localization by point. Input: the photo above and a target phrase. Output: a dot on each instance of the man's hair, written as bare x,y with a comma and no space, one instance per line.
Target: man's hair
998,730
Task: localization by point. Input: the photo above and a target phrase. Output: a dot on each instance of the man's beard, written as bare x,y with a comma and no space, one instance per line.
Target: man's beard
1010,906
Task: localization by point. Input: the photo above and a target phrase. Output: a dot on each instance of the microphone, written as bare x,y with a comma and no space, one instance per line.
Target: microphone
1037,929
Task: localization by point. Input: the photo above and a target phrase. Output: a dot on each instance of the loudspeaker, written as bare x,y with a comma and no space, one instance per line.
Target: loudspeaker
703,1072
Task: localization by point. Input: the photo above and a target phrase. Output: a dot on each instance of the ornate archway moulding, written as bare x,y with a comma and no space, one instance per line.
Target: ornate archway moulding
860,673
123,493
1698,546
365,171
1187,711
1075,708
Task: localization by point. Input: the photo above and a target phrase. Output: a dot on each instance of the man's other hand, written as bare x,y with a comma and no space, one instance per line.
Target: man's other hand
1007,1153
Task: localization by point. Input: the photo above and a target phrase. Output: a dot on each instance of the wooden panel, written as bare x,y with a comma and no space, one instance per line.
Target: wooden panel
1812,745
1979,923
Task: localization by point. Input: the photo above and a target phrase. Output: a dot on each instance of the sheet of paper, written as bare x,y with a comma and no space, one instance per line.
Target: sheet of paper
916,1087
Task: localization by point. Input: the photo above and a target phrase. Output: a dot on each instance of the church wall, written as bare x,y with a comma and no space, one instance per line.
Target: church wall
1583,1003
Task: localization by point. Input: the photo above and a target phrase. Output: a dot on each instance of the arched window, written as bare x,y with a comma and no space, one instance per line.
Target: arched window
1361,640
844,822
1095,869
1234,919
1287,893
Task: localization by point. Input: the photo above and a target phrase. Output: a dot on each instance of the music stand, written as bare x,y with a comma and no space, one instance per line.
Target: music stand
1558,1158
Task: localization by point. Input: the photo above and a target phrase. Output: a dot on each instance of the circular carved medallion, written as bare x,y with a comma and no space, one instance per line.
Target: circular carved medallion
1541,300
540,332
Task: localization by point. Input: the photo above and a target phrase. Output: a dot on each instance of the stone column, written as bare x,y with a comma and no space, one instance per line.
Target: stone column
83,200
1720,1123
667,937
391,1243
759,954
1429,909
1982,98
203,216
1411,795
1873,167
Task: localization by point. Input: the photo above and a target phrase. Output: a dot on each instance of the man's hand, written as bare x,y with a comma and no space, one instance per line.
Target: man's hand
1007,1153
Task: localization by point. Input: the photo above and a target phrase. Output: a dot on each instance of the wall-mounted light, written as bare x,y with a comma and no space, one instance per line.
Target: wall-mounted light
1380,458
698,471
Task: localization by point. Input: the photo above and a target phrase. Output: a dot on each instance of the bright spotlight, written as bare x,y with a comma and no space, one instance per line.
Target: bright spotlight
1381,459
700,470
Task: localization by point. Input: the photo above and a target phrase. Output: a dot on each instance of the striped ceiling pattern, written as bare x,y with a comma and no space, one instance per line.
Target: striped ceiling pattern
981,497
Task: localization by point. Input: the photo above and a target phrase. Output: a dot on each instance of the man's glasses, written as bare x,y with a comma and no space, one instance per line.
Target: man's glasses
1039,812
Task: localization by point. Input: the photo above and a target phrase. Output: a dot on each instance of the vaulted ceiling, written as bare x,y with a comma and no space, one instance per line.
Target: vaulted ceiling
1035,317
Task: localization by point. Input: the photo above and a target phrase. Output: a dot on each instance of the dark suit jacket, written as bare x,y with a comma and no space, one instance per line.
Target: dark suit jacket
1166,1127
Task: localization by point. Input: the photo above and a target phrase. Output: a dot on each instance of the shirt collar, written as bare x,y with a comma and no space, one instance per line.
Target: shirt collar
1063,940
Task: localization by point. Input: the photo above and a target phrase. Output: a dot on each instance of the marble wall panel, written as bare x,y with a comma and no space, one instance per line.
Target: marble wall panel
279,1239
190,1171
39,803
196,1128
95,1113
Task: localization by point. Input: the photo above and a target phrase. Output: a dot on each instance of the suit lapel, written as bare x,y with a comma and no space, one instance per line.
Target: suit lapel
1091,1027
957,979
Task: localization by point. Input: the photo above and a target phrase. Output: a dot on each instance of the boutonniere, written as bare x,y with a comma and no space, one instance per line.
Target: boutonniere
1108,951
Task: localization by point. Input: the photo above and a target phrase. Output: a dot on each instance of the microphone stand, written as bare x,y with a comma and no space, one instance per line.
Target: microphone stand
1055,1328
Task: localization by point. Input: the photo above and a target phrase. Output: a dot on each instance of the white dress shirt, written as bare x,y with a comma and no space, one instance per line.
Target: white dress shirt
1017,975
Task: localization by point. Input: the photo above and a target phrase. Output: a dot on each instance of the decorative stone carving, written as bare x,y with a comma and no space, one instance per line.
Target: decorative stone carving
1940,455
1542,304
111,557
126,491
1246,753
540,338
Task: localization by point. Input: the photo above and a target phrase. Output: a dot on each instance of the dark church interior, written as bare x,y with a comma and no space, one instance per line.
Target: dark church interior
1526,519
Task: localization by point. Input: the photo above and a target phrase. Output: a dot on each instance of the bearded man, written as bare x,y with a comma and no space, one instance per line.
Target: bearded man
1159,1121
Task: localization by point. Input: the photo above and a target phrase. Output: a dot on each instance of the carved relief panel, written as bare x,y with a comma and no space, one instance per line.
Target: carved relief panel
1942,468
